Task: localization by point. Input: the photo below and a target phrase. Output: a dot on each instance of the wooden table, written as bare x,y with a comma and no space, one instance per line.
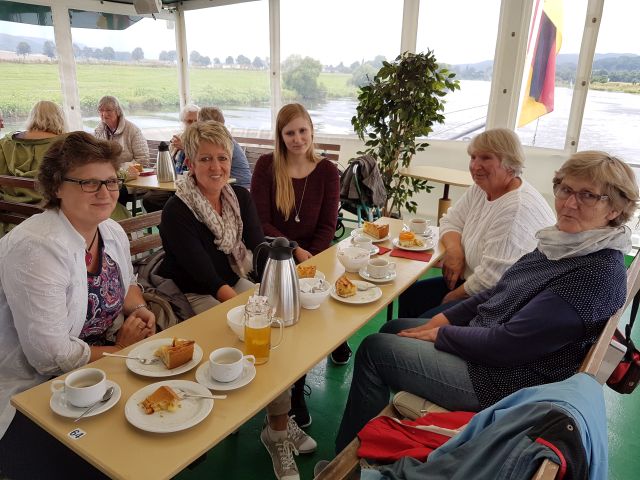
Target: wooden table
447,176
122,451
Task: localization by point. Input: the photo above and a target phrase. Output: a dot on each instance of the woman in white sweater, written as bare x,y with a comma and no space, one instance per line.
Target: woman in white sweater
487,230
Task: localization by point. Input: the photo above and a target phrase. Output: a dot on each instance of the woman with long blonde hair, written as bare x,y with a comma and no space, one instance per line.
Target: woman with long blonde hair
296,192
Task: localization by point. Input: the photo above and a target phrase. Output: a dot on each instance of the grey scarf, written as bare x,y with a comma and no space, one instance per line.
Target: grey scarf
226,228
556,244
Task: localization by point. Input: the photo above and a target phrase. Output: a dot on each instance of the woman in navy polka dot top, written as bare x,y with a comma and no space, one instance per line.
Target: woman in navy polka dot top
534,327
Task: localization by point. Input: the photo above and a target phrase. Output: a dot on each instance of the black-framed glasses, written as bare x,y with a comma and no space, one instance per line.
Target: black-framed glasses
583,197
92,185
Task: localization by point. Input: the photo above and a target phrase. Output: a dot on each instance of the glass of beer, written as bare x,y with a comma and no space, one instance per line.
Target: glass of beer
258,319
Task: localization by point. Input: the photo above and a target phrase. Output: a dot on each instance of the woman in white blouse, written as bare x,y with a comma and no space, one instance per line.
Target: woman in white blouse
67,294
487,230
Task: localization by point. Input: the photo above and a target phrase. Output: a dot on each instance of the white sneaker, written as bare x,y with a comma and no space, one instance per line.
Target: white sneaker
303,442
284,465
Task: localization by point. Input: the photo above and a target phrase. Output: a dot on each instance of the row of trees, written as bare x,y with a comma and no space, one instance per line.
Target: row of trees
107,53
196,59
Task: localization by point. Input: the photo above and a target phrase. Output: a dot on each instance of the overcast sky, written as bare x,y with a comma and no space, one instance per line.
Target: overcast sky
349,30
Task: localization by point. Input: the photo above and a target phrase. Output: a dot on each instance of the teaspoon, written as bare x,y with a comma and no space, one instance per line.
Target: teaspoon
105,398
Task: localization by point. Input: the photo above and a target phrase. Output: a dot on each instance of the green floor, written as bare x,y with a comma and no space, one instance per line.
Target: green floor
242,456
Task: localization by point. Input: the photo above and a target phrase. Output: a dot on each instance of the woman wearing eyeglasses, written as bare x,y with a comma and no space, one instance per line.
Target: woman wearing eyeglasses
534,327
67,294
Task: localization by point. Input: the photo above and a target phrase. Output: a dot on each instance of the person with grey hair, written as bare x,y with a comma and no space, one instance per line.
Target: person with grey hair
240,169
487,230
155,200
114,126
21,153
534,327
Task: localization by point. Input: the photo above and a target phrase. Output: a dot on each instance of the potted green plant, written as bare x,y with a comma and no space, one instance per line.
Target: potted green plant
401,104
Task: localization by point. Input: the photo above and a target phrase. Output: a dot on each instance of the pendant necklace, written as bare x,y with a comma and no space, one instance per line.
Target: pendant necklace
88,258
297,217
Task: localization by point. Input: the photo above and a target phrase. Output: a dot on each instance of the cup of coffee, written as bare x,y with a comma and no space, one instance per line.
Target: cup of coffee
418,225
362,242
82,388
226,364
380,267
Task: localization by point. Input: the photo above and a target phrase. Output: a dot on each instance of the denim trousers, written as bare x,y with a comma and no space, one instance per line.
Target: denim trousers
386,362
423,299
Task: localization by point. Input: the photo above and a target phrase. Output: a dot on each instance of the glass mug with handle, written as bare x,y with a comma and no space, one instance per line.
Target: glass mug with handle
258,319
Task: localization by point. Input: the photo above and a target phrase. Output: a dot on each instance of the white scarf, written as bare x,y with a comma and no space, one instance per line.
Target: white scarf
226,228
556,244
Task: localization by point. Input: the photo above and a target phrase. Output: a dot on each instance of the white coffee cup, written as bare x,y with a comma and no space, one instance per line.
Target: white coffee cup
418,225
380,267
226,364
83,387
362,242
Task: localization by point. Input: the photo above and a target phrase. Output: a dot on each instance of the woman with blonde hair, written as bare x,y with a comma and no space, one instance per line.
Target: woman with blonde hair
21,153
296,192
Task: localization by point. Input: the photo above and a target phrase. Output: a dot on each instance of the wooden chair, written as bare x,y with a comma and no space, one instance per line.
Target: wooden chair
599,363
142,239
16,212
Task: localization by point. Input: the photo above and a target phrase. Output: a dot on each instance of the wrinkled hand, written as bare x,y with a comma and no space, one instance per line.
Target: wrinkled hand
133,330
176,141
301,254
453,267
423,332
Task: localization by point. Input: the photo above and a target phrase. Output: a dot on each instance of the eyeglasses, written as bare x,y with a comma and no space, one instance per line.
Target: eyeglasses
92,185
583,197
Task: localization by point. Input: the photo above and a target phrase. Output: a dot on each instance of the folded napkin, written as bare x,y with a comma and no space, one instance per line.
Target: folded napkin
422,256
383,250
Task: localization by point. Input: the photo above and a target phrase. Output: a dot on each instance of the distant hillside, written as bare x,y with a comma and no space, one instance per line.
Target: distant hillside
10,42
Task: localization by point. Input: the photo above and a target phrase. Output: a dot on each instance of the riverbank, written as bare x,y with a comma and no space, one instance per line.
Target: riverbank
146,88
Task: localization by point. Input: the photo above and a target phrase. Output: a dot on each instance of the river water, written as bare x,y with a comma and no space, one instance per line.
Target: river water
611,121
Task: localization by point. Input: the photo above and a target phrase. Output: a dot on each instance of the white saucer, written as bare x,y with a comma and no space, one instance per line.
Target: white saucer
366,296
359,231
203,378
191,412
388,278
374,250
428,245
63,408
158,369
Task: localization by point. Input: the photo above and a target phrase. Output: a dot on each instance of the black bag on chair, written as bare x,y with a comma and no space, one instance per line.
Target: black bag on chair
626,375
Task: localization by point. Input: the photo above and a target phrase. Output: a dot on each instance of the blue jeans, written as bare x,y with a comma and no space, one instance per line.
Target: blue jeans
386,362
423,299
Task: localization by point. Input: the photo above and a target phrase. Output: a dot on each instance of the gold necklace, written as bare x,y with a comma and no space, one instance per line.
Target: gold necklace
297,217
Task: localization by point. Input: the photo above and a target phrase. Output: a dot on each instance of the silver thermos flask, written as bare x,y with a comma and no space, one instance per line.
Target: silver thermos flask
165,170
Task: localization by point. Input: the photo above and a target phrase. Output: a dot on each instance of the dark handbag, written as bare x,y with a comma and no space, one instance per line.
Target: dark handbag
626,375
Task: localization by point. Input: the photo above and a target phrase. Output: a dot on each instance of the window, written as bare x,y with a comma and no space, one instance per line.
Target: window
132,64
28,66
328,47
228,48
550,130
612,112
463,36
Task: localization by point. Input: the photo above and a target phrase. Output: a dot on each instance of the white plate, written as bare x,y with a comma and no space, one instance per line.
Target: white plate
203,378
428,245
388,278
158,369
374,250
359,231
191,411
60,406
368,296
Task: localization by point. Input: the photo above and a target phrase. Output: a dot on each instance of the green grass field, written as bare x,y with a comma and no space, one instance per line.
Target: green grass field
143,87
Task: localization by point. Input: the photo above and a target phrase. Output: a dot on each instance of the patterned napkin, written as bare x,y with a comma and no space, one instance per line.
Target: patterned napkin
422,256
383,250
